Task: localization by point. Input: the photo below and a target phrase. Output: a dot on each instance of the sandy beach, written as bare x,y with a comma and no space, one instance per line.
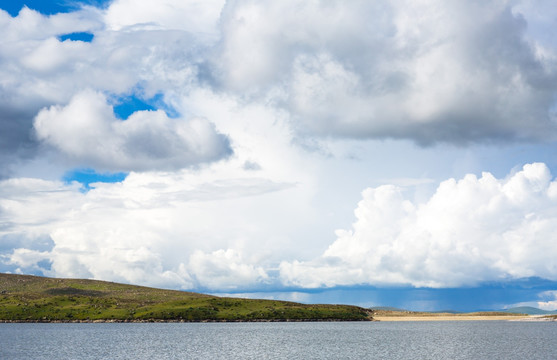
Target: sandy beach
424,316
450,318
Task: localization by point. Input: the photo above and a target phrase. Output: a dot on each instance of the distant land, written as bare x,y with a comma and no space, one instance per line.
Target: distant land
523,310
530,311
26,298
393,314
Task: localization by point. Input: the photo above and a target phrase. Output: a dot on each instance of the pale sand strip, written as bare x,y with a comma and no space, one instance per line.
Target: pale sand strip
449,318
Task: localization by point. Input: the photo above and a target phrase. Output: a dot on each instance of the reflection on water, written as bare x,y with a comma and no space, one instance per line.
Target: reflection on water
340,340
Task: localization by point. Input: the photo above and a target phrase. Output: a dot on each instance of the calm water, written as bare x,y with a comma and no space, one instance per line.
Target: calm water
353,340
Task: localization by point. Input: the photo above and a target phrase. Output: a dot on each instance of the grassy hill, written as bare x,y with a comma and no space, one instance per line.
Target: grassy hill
33,298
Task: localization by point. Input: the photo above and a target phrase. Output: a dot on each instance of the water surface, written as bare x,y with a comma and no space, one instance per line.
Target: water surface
318,340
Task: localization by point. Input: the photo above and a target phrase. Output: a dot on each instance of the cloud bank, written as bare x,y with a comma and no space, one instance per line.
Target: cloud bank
168,229
470,231
457,73
156,229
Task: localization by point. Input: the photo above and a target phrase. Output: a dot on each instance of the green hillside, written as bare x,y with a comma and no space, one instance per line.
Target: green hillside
33,298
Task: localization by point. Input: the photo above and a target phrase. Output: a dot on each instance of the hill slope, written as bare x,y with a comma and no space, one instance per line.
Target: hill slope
33,298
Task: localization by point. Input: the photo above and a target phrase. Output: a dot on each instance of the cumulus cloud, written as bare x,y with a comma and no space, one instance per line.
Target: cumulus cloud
194,232
457,73
29,54
38,70
178,229
86,236
470,231
87,131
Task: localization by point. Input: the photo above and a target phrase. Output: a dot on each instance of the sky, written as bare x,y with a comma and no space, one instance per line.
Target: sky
373,153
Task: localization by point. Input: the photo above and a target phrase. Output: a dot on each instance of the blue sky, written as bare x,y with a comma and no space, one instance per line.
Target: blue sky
348,153
50,7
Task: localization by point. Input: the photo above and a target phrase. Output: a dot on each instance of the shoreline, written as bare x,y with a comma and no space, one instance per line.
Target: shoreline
150,321
402,315
377,318
463,317
452,318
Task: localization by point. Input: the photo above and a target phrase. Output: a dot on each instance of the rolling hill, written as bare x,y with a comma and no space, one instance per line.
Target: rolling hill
40,299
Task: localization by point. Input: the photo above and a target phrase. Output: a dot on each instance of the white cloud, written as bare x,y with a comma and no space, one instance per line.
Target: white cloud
551,301
30,55
546,300
224,269
37,70
159,229
205,231
27,205
89,239
199,16
87,131
470,231
429,71
53,55
286,82
31,25
28,259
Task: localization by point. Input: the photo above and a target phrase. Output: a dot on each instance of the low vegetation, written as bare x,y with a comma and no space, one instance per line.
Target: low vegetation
40,299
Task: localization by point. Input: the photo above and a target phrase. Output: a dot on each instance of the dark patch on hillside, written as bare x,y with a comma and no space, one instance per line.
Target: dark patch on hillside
74,292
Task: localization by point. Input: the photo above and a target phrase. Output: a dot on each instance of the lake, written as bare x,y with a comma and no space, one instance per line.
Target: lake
311,340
